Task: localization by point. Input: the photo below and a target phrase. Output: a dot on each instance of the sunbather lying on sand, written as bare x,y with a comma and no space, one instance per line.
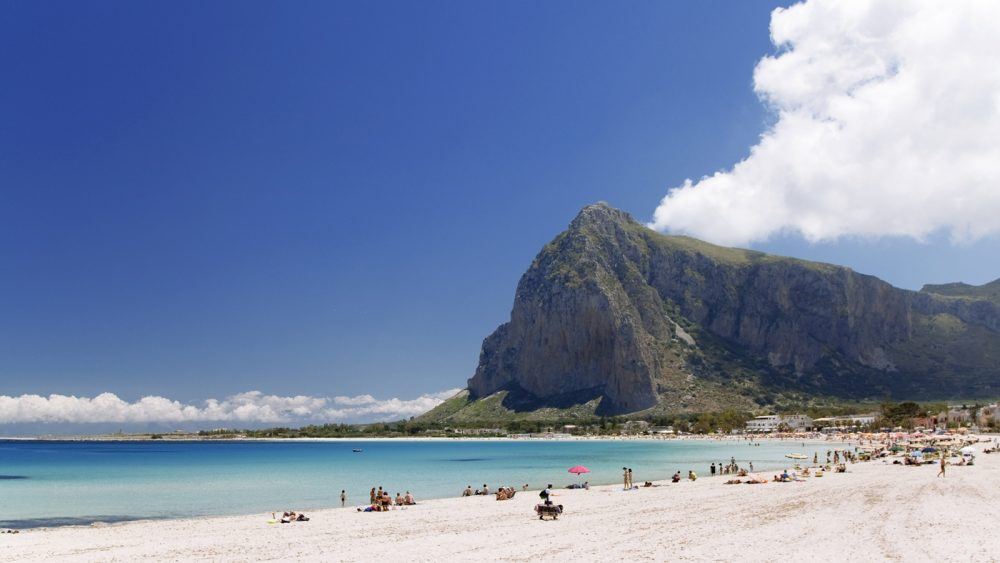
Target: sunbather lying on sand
291,516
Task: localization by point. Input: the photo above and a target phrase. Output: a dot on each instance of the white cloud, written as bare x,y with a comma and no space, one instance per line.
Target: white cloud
887,123
250,407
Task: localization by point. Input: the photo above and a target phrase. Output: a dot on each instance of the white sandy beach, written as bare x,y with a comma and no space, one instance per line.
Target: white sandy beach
874,512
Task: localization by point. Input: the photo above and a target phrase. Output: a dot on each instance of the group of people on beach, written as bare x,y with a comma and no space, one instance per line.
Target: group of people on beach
692,476
629,484
731,468
290,516
504,492
382,501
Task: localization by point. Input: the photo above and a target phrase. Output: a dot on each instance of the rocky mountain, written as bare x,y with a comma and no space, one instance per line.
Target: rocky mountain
614,318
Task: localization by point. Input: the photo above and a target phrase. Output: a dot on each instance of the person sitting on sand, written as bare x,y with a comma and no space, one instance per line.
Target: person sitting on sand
486,490
399,499
468,491
676,478
586,485
525,487
692,476
408,499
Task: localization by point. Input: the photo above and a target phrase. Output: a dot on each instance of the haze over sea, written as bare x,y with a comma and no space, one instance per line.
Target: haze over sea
45,483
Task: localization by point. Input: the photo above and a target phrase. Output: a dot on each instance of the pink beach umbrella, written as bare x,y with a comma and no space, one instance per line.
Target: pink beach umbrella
578,470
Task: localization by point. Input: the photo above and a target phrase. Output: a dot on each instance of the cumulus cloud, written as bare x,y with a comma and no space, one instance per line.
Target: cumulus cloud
887,123
250,407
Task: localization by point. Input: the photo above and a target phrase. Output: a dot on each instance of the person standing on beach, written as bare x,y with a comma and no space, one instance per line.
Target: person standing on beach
713,469
630,481
944,463
343,498
625,477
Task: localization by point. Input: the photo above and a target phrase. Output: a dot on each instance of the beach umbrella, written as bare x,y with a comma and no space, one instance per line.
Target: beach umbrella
578,470
929,450
968,450
897,448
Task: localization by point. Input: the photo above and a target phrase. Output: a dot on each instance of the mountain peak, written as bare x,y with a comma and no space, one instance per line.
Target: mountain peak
600,213
613,315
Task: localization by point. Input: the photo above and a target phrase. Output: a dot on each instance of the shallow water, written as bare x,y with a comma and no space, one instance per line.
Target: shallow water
66,483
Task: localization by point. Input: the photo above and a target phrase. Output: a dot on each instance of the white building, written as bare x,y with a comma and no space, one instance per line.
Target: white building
775,422
848,421
956,415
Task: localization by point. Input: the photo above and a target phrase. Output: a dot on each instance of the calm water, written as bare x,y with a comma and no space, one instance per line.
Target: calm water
54,483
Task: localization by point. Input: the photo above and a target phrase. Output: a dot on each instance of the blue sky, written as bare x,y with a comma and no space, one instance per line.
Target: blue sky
319,198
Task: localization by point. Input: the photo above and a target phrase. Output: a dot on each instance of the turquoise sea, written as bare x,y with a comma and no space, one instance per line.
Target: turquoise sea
46,483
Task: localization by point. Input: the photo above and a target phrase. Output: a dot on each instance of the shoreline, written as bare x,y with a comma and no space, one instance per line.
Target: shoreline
697,437
874,511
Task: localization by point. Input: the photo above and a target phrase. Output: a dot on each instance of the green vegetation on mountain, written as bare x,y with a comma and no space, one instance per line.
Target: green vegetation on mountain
989,291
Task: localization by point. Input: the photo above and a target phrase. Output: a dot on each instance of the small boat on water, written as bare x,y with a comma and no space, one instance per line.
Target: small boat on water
357,450
796,456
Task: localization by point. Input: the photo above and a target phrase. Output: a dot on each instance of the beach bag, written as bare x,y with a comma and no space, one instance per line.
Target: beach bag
544,494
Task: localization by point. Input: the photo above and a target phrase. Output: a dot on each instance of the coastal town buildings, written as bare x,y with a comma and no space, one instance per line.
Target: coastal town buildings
956,415
777,422
478,431
635,427
989,414
847,421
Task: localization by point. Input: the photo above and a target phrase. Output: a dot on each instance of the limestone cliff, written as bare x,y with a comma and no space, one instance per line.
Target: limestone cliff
614,312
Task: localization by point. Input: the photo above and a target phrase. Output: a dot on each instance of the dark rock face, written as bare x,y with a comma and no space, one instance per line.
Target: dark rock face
577,326
597,313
